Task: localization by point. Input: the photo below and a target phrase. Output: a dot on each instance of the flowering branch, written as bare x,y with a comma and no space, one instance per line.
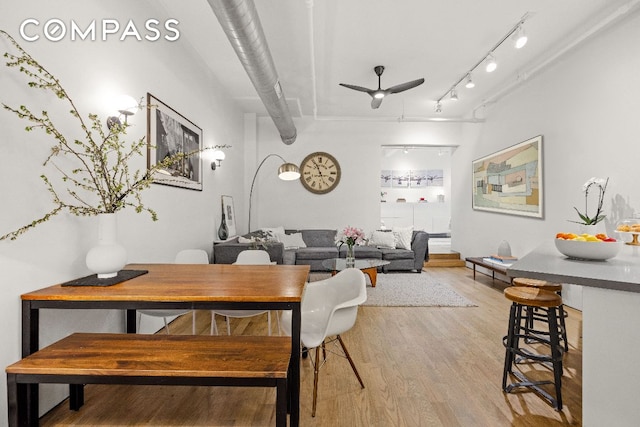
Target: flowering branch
100,181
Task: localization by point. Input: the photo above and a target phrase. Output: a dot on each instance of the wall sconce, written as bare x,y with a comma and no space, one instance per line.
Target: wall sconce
217,156
126,106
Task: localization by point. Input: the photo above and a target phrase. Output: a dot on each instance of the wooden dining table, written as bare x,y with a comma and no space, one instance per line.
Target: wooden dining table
180,286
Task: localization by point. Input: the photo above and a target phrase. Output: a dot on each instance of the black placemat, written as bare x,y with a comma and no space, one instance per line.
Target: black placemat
93,280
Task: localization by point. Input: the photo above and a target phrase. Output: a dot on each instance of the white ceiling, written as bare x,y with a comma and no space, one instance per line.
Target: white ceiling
326,42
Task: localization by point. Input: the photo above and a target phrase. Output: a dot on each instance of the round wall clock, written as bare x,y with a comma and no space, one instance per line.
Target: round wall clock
320,172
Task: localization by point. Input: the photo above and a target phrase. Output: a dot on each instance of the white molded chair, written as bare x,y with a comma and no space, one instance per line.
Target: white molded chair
247,257
186,256
329,308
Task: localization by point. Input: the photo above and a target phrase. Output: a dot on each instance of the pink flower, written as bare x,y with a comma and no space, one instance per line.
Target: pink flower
351,236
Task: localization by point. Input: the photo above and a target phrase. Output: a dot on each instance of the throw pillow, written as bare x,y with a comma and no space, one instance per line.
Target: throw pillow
291,241
273,232
402,236
382,239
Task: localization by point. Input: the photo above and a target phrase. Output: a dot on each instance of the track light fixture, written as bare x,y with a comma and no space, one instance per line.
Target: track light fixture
520,39
470,84
491,64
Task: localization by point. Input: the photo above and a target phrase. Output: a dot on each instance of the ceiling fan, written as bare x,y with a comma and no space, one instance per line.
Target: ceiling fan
379,94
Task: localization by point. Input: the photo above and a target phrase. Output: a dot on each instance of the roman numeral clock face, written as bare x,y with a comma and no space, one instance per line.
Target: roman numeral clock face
320,172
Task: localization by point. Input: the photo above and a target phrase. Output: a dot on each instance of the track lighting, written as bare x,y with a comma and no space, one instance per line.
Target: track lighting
470,84
406,150
491,64
519,38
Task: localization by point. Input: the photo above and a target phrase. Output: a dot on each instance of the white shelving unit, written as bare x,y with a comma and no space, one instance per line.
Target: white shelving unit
430,217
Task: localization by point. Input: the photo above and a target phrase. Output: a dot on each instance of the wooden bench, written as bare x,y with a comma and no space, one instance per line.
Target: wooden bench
494,268
152,359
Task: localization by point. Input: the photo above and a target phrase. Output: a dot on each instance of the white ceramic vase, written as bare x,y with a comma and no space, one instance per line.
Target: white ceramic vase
108,256
588,229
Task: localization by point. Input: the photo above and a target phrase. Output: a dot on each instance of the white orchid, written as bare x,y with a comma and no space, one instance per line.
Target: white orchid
601,183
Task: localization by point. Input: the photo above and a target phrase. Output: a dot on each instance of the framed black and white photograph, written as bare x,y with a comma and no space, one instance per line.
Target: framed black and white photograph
385,178
418,178
230,214
435,178
169,133
400,178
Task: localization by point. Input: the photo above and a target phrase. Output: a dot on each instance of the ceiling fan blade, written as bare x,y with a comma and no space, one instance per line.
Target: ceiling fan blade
375,102
358,88
404,86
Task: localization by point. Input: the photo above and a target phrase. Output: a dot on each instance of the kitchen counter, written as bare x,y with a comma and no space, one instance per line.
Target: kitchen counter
621,273
610,322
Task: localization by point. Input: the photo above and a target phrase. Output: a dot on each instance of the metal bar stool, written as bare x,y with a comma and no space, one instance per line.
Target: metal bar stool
540,314
526,297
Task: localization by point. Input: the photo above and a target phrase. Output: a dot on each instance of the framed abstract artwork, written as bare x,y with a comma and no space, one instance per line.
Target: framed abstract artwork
170,134
510,180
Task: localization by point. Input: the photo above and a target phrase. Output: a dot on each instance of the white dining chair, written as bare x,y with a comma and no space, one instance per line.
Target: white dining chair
329,308
247,257
186,256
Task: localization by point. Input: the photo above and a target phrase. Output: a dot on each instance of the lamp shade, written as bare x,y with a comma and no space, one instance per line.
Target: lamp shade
125,104
218,155
288,172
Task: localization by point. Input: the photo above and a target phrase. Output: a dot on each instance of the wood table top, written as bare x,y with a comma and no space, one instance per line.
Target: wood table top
191,282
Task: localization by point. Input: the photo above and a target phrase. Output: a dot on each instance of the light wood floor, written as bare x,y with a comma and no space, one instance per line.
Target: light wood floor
422,366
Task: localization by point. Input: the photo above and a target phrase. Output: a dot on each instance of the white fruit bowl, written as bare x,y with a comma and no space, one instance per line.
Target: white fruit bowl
598,251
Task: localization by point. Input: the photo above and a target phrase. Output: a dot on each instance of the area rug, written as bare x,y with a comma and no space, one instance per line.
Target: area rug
411,290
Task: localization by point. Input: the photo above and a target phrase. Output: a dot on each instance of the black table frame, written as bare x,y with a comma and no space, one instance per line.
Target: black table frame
31,338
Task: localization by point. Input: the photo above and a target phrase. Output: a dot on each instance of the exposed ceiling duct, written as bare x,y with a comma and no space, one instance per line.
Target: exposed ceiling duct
240,22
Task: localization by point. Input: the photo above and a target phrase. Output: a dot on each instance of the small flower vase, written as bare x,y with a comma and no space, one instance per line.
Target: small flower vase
351,258
108,256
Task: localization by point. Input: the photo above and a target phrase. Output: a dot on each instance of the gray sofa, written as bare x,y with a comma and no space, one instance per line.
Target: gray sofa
321,245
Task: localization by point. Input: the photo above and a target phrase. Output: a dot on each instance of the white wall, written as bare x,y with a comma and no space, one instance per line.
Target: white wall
92,71
586,106
357,147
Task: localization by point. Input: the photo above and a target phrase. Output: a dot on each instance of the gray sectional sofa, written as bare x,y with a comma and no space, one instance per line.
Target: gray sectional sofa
320,245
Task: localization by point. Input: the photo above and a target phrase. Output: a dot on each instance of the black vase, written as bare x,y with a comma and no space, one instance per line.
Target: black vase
223,231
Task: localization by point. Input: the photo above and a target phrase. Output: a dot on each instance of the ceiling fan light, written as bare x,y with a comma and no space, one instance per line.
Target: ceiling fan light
378,95
519,38
454,95
491,64
470,84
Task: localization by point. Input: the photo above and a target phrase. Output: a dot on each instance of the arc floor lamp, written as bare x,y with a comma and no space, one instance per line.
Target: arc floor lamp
286,172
